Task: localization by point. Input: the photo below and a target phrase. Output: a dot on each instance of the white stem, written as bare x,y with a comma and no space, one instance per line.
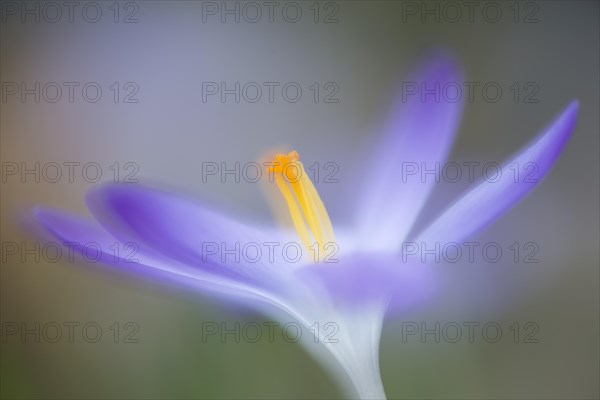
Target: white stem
366,377
362,361
354,358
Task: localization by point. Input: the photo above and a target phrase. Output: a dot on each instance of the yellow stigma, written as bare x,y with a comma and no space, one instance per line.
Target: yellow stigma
304,204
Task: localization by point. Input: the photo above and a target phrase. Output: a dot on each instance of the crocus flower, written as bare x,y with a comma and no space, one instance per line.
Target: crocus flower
368,277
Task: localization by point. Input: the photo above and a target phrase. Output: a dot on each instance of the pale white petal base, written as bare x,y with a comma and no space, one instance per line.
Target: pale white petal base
348,349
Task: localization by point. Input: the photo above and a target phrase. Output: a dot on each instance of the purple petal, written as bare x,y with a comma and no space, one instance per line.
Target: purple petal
488,200
78,233
175,227
81,235
360,280
419,133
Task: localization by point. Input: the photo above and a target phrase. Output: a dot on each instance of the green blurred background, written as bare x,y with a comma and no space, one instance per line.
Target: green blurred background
170,131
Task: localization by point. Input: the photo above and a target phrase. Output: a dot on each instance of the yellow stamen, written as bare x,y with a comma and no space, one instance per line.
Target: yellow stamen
306,209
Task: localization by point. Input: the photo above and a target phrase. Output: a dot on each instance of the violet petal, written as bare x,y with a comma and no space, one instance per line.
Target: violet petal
488,200
418,134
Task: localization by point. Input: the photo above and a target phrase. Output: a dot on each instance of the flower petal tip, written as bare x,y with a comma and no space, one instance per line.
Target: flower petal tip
557,133
46,216
439,65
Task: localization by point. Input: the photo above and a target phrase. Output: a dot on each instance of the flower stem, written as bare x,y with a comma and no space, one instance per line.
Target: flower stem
367,381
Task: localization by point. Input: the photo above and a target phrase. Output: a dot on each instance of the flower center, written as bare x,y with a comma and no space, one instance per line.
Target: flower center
304,204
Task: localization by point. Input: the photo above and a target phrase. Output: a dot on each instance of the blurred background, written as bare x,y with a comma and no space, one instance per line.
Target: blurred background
132,90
